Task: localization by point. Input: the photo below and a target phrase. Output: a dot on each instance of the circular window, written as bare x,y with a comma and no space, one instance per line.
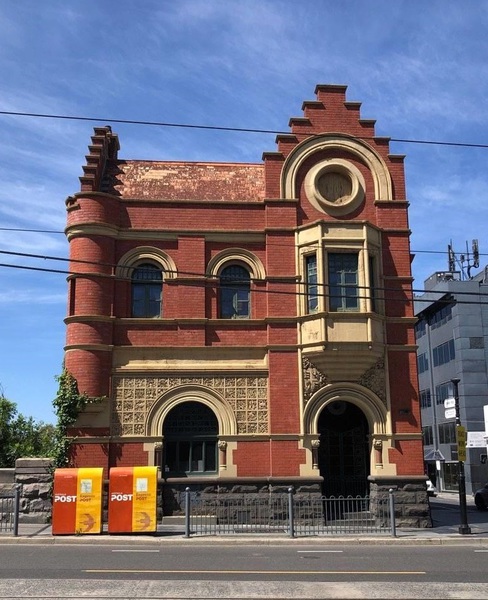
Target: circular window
335,186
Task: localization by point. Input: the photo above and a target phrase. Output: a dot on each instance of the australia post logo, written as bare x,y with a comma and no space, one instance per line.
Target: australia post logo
118,497
64,498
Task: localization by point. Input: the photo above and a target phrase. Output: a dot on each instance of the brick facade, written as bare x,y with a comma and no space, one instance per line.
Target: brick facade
330,190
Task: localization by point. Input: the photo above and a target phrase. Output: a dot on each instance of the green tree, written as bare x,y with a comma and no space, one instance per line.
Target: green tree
22,436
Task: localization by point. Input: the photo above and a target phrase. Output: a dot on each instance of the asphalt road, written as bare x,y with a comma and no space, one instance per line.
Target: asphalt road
250,571
255,570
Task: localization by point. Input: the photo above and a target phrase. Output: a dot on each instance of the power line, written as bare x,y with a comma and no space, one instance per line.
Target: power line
214,281
222,128
22,230
190,273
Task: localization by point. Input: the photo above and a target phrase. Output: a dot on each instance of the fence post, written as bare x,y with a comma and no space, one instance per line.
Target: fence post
291,512
187,512
392,512
16,509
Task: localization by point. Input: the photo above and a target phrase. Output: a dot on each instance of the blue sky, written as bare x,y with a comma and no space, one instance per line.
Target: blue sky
419,68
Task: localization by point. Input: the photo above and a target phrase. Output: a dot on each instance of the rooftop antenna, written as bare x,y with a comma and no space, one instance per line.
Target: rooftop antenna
476,257
451,258
472,259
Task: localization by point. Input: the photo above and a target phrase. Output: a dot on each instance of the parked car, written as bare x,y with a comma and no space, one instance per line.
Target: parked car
481,498
431,489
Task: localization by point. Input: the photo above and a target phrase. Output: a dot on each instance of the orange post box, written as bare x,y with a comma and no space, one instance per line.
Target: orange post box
132,499
77,501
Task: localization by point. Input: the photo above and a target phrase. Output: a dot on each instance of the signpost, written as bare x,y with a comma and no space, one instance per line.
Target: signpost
464,528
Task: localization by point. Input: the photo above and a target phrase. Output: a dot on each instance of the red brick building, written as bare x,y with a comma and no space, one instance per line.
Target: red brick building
249,322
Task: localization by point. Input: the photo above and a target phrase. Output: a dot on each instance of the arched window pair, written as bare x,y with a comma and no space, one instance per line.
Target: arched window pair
147,292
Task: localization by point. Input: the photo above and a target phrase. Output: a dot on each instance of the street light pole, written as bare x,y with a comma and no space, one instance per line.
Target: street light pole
464,528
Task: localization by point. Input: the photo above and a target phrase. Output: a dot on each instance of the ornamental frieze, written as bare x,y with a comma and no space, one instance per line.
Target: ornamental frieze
134,397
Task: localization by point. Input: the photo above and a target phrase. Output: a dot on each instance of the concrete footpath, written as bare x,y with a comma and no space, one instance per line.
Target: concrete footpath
444,510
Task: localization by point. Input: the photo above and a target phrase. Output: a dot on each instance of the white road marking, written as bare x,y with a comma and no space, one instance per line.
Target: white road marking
319,551
135,551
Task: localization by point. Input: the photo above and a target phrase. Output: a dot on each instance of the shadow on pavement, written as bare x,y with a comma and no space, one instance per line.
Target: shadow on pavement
446,513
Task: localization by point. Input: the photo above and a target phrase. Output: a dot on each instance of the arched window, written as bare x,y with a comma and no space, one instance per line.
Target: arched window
147,291
190,440
235,291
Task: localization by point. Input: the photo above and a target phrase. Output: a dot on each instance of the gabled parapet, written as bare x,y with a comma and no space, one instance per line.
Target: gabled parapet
105,146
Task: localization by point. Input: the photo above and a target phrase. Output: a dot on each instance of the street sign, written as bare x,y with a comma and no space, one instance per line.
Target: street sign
461,442
450,403
450,413
476,439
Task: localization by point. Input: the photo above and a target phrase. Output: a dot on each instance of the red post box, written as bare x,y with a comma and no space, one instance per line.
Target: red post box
132,499
77,501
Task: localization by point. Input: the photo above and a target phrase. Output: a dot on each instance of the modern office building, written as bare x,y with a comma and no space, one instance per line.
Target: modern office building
452,338
233,316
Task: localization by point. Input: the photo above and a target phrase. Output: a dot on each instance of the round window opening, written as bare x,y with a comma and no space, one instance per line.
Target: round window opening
334,186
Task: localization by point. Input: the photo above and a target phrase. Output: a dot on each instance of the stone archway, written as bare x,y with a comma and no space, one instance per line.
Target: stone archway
344,454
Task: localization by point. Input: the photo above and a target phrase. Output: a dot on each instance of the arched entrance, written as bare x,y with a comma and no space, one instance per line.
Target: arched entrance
190,433
344,449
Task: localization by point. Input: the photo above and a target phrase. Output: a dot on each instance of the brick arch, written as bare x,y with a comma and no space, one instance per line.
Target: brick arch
191,393
233,255
142,254
383,187
371,405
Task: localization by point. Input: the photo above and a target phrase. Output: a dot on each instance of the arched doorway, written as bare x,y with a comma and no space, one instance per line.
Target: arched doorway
344,449
190,433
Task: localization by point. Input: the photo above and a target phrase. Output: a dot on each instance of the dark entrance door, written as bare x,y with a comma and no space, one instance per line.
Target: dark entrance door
344,450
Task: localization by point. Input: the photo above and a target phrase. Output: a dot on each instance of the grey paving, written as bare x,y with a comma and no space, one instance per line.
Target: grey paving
245,590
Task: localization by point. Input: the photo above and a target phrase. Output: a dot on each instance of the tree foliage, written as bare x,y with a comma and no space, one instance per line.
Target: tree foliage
22,436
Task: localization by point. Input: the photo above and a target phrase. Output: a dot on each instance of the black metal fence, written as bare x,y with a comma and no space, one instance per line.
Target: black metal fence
290,514
9,511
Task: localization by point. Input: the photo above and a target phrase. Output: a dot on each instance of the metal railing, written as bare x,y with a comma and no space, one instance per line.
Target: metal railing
9,511
288,513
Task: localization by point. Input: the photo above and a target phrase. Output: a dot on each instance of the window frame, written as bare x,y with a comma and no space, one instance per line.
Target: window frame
234,289
311,283
422,363
428,435
447,433
338,302
193,425
425,398
443,353
442,391
148,287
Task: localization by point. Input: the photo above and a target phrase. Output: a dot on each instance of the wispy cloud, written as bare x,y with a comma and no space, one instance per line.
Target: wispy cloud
419,68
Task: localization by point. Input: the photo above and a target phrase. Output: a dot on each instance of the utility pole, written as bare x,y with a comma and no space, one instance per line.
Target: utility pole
464,528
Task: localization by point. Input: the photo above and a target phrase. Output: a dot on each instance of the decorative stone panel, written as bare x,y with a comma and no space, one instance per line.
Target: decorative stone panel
134,397
374,379
313,379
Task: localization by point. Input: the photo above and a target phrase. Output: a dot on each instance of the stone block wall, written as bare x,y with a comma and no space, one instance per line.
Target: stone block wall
34,476
412,507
